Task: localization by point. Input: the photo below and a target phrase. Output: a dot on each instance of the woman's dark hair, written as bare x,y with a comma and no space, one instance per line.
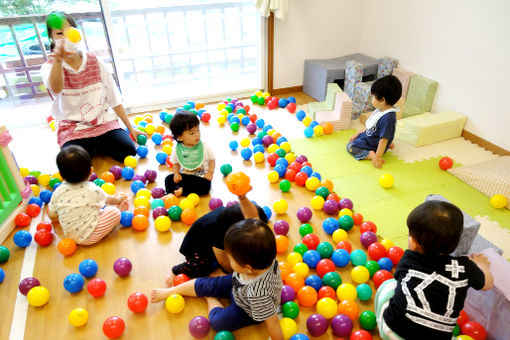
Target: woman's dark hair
74,164
183,121
251,242
387,87
69,19
436,226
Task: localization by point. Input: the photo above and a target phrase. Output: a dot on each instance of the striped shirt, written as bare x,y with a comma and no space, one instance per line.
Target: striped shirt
259,297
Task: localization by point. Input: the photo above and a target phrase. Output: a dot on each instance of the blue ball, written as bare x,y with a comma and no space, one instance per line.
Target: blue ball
385,263
316,174
126,217
161,157
233,145
308,132
142,151
157,138
283,162
246,153
299,336
73,283
36,200
56,185
260,123
246,120
314,281
364,292
199,112
2,275
341,257
267,128
88,268
229,117
291,100
128,173
280,169
329,225
258,148
267,211
192,104
235,119
45,196
143,123
179,109
280,140
311,258
137,185
256,141
162,115
300,115
307,170
358,257
283,102
232,106
313,124
22,238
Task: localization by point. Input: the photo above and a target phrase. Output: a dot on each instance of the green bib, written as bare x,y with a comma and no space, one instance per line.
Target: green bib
190,157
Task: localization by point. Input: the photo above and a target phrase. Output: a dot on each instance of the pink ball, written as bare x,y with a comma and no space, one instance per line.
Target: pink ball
267,140
116,171
281,227
345,203
159,211
304,214
93,177
301,159
251,128
157,192
28,283
231,203
150,175
330,207
122,266
199,326
139,177
215,203
367,238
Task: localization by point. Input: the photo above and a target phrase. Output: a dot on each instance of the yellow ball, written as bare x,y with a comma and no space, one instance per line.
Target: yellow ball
294,258
137,120
312,183
290,157
175,303
273,176
167,149
318,130
240,116
327,307
307,121
258,93
360,274
44,180
194,198
271,132
272,148
301,269
52,125
78,317
317,202
346,291
387,243
345,211
24,172
144,192
222,120
35,189
285,146
130,161
464,337
150,129
245,142
73,35
221,106
259,157
339,235
162,223
109,188
141,201
57,176
186,204
224,113
38,296
498,201
280,206
289,327
386,181
265,94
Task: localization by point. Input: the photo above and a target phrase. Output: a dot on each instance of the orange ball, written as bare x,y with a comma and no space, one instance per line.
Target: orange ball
167,142
349,308
275,136
357,218
140,222
171,200
328,184
188,216
328,128
107,176
282,243
66,246
199,106
307,296
294,280
285,269
160,129
238,183
141,210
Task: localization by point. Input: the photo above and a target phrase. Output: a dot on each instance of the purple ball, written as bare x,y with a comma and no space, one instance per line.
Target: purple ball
267,140
301,159
31,179
341,325
281,227
367,238
138,177
215,203
150,175
28,283
159,211
239,104
93,177
234,101
288,294
122,266
231,203
304,214
330,207
345,203
317,324
252,128
199,326
116,171
157,192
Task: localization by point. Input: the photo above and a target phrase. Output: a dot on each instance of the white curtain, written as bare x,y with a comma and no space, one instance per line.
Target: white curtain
279,7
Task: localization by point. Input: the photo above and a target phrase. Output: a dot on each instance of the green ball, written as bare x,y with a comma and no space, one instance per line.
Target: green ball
35,173
364,292
261,100
228,108
332,279
99,182
367,320
285,185
186,107
322,191
290,309
140,128
141,139
224,335
372,267
4,254
175,213
346,222
195,112
254,99
456,330
54,181
168,118
300,248
234,127
281,153
241,110
325,250
55,20
305,229
225,169
261,134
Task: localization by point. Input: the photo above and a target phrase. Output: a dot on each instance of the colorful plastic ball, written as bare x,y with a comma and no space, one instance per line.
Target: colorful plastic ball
372,267
142,151
358,219
137,302
28,283
130,161
305,229
498,201
54,182
314,281
317,324
282,244
345,212
113,327
140,222
360,274
126,217
325,249
108,188
285,185
295,281
312,183
332,279
361,335
385,263
246,153
273,176
22,238
38,296
474,330
73,283
445,163
307,296
358,257
45,195
281,227
387,244
66,246
128,173
22,220
162,223
301,178
367,226
345,222
462,318
329,225
33,210
280,206
380,276
288,327
238,183
367,238
341,325
330,207
258,155
311,258
327,307
395,254
340,258
300,248
344,245
224,335
339,235
180,278
317,202
304,214
78,317
349,308
386,181
215,202
290,309
280,169
137,185
199,326
463,337
161,157
311,241
175,303
99,182
288,294
364,292
88,268
345,203
367,320
96,287
122,266
325,266
301,269
44,226
36,200
308,132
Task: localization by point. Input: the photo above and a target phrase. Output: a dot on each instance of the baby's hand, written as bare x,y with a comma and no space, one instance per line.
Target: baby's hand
120,196
177,177
208,176
377,162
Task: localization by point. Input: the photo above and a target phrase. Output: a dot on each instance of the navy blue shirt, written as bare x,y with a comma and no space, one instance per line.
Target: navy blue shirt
385,128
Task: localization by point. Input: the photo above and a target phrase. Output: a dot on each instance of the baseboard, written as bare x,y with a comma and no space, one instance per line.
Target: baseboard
484,143
285,90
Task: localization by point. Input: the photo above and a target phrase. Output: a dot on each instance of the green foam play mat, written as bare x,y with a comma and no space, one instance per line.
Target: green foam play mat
388,208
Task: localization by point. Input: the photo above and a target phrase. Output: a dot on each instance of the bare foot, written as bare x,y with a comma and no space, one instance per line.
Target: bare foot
178,192
392,146
160,294
170,278
124,205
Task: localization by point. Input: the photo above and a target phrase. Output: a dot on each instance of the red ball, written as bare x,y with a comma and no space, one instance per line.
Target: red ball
268,99
33,210
247,108
113,327
253,118
380,276
301,178
361,335
22,220
367,226
334,197
325,266
44,226
463,318
311,241
206,116
307,163
295,166
181,278
327,291
96,287
290,175
291,107
137,302
394,254
271,105
376,251
49,119
272,158
344,245
445,163
43,237
169,162
474,330
358,219
167,137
